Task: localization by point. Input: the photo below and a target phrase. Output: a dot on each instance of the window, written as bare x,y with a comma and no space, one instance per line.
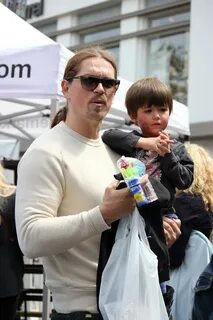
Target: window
93,36
160,21
115,51
168,60
48,29
154,3
98,31
99,15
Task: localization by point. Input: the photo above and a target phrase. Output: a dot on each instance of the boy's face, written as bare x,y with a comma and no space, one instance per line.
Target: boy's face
152,119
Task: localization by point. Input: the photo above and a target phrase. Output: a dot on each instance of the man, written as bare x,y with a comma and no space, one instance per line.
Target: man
63,204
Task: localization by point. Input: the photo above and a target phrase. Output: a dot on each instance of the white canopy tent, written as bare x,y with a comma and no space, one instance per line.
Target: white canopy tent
32,66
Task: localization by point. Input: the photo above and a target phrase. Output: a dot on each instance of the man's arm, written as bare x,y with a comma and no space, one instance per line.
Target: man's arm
40,190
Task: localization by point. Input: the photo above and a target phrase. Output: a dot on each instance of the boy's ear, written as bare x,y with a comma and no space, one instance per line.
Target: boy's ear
133,118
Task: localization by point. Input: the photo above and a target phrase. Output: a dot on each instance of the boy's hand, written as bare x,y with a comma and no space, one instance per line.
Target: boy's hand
164,144
160,144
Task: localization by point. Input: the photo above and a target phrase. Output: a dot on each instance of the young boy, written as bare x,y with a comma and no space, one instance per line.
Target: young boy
149,105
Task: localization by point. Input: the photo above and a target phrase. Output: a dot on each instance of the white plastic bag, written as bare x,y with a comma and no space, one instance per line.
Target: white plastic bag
130,287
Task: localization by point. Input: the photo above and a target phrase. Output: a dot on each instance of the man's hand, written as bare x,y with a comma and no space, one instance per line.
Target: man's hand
118,203
171,230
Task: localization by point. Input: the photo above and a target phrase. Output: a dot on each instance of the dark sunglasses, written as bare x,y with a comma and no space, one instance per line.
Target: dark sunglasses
89,83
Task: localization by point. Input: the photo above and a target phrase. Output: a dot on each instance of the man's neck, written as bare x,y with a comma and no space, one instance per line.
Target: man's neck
90,130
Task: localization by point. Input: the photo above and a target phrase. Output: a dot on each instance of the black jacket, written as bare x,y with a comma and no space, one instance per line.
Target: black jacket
190,208
202,308
11,257
176,167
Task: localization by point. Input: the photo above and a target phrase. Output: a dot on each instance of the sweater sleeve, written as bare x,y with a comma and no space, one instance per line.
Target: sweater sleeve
40,190
178,166
121,141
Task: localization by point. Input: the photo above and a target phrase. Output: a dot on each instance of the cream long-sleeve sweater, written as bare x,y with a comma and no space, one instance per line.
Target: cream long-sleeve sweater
61,182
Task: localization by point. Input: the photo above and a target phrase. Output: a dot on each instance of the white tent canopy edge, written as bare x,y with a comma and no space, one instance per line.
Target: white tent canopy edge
31,63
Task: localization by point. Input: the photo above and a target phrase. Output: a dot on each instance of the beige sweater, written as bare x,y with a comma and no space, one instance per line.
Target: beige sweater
61,182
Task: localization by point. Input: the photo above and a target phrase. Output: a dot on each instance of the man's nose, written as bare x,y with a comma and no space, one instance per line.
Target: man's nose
99,88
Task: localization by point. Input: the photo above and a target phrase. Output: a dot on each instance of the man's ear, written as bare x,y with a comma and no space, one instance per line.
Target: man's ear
64,87
133,118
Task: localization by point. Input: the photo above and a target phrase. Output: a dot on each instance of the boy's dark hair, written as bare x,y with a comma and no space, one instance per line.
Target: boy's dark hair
148,92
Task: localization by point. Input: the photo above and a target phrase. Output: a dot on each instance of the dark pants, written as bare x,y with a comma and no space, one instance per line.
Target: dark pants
82,315
77,315
8,308
168,299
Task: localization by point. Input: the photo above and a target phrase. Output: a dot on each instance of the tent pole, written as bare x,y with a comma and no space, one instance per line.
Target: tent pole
4,118
54,106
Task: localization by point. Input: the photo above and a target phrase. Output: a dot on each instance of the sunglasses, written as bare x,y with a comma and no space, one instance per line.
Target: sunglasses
89,83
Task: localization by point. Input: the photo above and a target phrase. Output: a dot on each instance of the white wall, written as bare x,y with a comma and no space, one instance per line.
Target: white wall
132,51
201,68
205,143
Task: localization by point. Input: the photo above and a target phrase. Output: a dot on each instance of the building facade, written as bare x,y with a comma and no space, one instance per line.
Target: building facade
169,39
